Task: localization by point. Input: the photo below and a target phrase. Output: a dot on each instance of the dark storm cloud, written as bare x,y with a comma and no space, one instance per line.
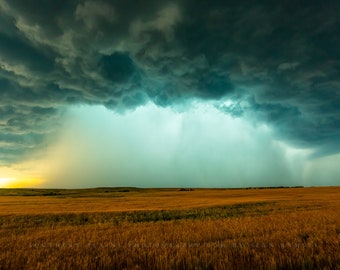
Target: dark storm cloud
117,67
16,52
277,62
24,130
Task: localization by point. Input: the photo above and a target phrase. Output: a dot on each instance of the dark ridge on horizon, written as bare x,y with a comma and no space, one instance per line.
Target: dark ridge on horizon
118,191
108,190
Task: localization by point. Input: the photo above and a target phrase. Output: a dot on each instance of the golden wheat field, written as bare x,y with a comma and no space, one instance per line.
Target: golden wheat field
130,228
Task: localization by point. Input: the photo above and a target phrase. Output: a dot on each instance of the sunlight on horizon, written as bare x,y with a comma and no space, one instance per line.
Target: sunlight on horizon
24,175
19,183
6,182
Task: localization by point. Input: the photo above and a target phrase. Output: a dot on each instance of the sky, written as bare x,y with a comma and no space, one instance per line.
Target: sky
169,93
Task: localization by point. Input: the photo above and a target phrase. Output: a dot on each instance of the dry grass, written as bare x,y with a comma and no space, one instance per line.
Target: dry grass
171,229
23,202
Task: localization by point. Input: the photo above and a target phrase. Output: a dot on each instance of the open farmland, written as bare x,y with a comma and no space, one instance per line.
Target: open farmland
130,228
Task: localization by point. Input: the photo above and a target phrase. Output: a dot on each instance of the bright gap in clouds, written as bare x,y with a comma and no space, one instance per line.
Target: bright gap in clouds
161,147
